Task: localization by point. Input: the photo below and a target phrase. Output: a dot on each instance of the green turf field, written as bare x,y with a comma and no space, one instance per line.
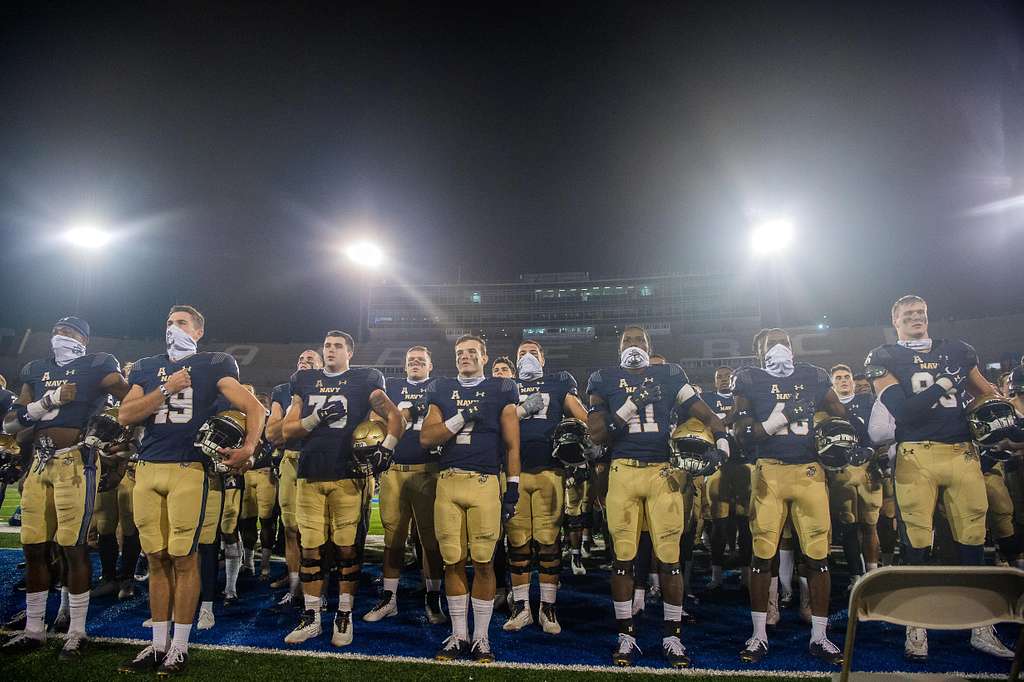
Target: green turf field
102,660
11,500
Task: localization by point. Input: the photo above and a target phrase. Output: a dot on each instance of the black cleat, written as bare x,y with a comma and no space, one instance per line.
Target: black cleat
675,652
626,651
754,651
481,651
74,647
174,663
146,661
61,623
17,622
23,642
826,651
432,605
453,649
230,600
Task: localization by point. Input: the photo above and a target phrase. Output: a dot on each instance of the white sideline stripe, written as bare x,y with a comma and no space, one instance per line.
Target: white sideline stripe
711,672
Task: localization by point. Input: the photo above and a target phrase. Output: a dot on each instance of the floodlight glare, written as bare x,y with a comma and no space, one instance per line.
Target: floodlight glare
87,236
365,254
771,236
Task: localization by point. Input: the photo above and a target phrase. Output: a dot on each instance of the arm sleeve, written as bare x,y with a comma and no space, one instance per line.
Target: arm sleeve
224,365
913,409
509,392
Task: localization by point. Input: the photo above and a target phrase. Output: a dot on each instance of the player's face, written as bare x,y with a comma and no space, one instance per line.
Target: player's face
61,330
502,371
532,349
723,380
417,365
309,359
862,386
634,338
336,354
470,358
842,382
911,320
184,321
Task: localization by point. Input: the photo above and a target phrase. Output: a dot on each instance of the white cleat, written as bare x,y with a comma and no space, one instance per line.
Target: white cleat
915,647
385,608
984,639
206,620
549,619
520,618
308,628
342,635
577,565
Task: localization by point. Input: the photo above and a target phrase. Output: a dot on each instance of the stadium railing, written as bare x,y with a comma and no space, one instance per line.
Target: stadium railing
937,597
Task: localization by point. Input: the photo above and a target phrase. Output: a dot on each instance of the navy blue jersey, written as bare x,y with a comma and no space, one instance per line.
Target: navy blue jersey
720,403
282,396
916,371
402,393
86,373
859,407
326,453
478,446
536,430
647,434
171,431
765,394
7,399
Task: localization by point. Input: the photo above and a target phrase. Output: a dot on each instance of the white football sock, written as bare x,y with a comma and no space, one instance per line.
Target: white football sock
482,609
161,635
786,570
760,621
548,593
391,585
181,633
35,612
345,601
458,611
819,624
79,609
521,593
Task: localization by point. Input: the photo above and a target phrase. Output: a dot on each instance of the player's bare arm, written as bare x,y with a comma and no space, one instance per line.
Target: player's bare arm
383,407
435,432
255,419
510,436
573,407
596,421
291,425
115,384
274,423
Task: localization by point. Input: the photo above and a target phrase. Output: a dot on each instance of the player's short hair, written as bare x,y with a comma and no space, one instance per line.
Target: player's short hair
504,360
535,342
725,368
647,336
420,348
906,300
473,337
197,317
349,341
840,367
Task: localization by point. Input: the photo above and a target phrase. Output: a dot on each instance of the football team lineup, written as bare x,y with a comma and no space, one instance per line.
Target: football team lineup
729,506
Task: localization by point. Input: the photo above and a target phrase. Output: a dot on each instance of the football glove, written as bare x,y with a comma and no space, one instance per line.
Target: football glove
509,500
417,408
331,412
956,376
645,395
533,404
798,410
472,413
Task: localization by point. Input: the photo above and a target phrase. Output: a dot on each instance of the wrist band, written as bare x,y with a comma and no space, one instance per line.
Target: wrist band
389,442
512,479
627,411
455,423
310,421
774,423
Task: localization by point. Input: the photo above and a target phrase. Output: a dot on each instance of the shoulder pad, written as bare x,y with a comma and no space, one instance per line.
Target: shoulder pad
509,385
218,357
822,374
567,378
878,356
281,387
595,377
101,358
674,370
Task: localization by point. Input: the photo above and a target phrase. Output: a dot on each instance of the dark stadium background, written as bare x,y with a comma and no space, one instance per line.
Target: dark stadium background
234,145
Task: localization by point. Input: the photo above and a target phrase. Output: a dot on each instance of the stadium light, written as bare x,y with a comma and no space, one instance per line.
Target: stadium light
87,236
771,236
365,255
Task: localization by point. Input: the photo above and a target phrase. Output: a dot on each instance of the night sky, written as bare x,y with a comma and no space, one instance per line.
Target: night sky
233,147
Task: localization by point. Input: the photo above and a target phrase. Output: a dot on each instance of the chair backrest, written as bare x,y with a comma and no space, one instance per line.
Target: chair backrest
940,597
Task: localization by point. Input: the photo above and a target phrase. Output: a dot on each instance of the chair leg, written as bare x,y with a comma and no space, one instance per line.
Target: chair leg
1015,668
851,634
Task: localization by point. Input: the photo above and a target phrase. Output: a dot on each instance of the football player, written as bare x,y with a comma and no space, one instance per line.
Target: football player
114,510
775,407
922,382
332,490
544,400
258,497
631,408
58,396
407,491
173,395
472,418
280,399
7,397
503,368
855,493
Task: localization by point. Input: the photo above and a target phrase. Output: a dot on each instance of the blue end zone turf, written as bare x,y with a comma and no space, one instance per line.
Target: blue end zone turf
587,638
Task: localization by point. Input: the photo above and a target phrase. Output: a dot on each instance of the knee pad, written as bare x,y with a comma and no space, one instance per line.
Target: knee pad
574,522
759,565
553,561
671,569
310,570
519,559
622,568
816,565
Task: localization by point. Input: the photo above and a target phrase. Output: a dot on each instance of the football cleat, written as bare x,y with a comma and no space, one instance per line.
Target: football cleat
675,652
105,589
146,661
754,651
452,649
915,647
62,622
342,634
549,619
206,620
24,642
577,565
626,651
785,599
127,590
984,639
74,647
148,623
500,598
432,606
17,622
174,662
308,627
230,599
520,618
481,651
283,581
826,651
287,602
385,608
